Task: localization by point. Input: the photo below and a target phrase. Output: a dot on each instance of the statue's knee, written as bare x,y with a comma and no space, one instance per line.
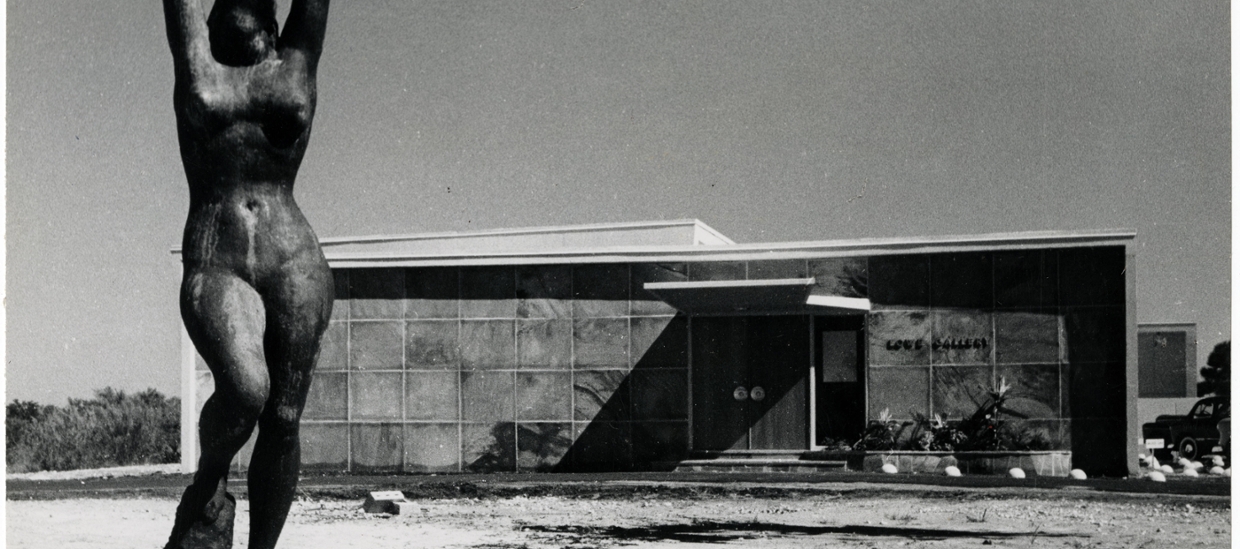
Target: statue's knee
248,402
284,419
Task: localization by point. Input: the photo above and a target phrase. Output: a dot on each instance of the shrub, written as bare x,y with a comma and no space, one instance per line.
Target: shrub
880,434
936,435
1217,372
109,430
982,431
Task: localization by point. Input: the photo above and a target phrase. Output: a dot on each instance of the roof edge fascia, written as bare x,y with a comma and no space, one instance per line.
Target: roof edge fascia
755,251
589,227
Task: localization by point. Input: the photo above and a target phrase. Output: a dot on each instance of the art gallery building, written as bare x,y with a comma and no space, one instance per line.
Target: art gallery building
636,346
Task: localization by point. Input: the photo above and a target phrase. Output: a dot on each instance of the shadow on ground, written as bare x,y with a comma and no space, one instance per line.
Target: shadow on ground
724,532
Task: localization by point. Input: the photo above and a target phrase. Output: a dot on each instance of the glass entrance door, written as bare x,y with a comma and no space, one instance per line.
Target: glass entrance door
839,378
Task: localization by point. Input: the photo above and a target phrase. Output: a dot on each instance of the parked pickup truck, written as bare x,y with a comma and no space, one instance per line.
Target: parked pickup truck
1192,435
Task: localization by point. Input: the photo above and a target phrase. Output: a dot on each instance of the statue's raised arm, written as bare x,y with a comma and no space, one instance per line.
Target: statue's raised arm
304,30
256,291
187,36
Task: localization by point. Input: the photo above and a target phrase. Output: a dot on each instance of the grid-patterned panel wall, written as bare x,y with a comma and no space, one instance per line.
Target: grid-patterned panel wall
499,369
577,367
1054,328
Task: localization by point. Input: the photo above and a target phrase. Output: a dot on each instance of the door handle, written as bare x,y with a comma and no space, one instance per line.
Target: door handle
757,394
740,393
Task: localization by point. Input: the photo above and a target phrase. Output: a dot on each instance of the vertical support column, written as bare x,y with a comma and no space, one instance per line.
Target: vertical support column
813,384
1190,361
689,385
189,405
1131,372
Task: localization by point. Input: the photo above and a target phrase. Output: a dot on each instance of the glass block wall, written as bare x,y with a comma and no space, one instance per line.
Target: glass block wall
575,367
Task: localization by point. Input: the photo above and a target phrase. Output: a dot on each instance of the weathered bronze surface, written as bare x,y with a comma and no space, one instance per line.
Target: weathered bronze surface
256,293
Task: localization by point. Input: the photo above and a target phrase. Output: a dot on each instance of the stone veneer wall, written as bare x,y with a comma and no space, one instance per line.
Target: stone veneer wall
1055,325
526,368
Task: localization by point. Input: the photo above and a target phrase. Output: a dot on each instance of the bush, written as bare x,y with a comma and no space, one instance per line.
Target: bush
936,435
110,430
985,430
1217,372
880,434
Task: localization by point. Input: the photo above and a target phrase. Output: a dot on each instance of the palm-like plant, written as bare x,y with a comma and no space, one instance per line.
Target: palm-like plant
880,434
982,428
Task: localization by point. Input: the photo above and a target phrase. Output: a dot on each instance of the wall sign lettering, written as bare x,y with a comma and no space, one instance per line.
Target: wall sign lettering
940,343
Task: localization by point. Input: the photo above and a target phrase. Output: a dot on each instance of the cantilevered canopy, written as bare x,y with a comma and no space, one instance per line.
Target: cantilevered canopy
751,296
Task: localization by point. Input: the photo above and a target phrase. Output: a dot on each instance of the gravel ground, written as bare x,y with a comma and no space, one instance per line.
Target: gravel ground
895,519
107,472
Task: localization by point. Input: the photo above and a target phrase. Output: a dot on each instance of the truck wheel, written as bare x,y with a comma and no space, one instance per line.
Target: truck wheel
1188,448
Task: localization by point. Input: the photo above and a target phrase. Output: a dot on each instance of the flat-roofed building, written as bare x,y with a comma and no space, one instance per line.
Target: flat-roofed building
636,346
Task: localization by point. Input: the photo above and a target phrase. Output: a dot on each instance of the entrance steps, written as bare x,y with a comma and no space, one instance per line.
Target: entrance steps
759,461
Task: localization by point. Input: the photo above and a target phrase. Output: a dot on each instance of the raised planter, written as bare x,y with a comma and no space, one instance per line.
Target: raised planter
1049,463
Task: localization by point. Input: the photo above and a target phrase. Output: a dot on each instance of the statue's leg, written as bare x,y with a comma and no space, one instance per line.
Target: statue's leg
225,319
298,312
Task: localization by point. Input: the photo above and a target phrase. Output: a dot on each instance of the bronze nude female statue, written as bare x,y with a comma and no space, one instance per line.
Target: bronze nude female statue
256,292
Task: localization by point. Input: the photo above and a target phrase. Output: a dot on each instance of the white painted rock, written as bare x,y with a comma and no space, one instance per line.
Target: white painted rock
1077,474
1154,462
1190,472
1182,462
1218,461
1140,456
952,471
890,468
1156,476
1227,472
1216,470
1196,465
1016,472
1166,469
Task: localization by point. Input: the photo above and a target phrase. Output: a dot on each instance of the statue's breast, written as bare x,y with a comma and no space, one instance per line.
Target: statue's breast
283,108
273,102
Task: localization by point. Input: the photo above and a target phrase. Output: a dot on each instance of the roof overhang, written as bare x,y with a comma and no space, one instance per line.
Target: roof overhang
778,295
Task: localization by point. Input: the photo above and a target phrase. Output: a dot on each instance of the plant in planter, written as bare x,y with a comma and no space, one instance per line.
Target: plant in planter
935,435
984,430
1023,439
832,445
981,430
880,434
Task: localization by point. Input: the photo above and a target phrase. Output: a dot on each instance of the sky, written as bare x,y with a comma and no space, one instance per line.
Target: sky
769,121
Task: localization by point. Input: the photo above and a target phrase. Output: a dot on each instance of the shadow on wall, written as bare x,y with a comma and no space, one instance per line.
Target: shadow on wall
636,419
1092,302
624,417
1055,322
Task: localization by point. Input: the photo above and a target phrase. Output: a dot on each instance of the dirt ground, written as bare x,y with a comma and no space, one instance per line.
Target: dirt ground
728,520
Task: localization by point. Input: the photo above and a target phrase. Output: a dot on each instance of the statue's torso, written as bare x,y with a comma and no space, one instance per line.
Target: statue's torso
243,134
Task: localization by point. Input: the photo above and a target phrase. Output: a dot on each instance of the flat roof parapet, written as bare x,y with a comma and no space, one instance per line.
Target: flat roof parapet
655,253
661,241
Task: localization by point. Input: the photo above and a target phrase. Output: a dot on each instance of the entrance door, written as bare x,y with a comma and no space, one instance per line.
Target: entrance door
839,375
749,383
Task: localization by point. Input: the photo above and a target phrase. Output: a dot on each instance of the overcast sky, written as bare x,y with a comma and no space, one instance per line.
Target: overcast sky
769,121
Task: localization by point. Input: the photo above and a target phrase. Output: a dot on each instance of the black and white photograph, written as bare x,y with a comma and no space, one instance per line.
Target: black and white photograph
573,274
